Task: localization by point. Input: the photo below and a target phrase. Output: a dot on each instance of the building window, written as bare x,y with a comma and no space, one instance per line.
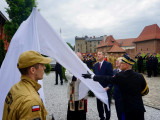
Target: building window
147,49
78,49
90,45
90,50
141,49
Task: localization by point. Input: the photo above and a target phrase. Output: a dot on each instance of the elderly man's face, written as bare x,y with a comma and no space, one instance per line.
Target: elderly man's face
123,66
118,63
79,55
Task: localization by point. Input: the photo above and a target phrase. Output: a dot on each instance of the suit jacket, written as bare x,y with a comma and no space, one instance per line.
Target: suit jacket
116,90
106,69
132,85
58,68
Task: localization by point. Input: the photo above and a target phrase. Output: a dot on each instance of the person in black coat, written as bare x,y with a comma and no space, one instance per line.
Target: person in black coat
103,68
132,86
148,59
58,71
93,60
89,62
139,62
154,64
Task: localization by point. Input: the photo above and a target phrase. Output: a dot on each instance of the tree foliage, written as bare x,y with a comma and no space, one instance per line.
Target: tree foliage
18,11
2,51
70,46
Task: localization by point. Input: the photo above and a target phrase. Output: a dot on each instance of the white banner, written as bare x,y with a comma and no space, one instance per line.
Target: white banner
36,34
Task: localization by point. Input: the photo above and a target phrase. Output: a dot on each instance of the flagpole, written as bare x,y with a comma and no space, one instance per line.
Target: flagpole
60,31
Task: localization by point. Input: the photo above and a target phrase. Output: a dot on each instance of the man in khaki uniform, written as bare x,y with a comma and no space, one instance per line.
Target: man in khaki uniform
23,101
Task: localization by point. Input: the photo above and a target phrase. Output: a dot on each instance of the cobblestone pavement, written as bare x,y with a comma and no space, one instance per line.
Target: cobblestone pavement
56,100
153,98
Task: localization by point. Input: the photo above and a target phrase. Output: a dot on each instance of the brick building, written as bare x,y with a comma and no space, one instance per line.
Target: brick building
126,43
3,19
114,47
149,40
116,51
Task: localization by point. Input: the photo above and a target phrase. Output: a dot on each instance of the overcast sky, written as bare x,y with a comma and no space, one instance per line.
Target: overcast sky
120,18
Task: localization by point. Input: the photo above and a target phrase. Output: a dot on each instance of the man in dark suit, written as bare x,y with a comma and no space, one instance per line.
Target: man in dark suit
139,62
58,71
154,64
89,62
148,59
103,68
132,86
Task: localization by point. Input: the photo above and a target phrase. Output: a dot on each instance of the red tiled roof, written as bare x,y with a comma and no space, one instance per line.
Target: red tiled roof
149,33
126,42
110,41
116,48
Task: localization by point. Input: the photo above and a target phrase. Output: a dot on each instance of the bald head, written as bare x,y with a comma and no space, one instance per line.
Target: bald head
79,55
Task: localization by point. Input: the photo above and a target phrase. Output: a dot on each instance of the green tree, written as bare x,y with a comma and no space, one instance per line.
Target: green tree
2,52
70,46
18,11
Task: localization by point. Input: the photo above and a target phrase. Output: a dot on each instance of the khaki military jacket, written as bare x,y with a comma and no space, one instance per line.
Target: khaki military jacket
23,102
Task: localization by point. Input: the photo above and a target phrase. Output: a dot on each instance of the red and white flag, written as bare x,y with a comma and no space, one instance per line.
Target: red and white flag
35,108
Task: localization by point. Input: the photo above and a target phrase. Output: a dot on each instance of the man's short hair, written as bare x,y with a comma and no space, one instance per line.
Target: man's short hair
103,53
24,71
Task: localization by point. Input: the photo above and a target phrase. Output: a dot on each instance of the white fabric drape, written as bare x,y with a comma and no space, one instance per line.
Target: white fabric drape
36,34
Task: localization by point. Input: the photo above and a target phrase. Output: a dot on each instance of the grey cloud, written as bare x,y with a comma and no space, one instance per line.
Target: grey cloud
120,18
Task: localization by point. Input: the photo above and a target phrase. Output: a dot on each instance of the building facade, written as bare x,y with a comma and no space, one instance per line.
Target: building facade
149,40
87,44
116,48
126,43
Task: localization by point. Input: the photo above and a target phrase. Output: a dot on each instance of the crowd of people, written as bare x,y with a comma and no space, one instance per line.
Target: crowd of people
89,60
130,85
151,63
23,100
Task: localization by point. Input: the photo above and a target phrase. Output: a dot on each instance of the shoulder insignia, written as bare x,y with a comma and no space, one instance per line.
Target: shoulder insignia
35,108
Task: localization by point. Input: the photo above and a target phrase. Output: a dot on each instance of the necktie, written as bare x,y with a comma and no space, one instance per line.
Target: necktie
99,66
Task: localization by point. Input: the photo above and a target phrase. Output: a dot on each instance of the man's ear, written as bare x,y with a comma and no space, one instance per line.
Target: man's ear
32,70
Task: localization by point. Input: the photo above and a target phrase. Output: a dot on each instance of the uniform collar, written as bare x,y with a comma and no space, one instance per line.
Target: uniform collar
35,84
128,70
119,70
